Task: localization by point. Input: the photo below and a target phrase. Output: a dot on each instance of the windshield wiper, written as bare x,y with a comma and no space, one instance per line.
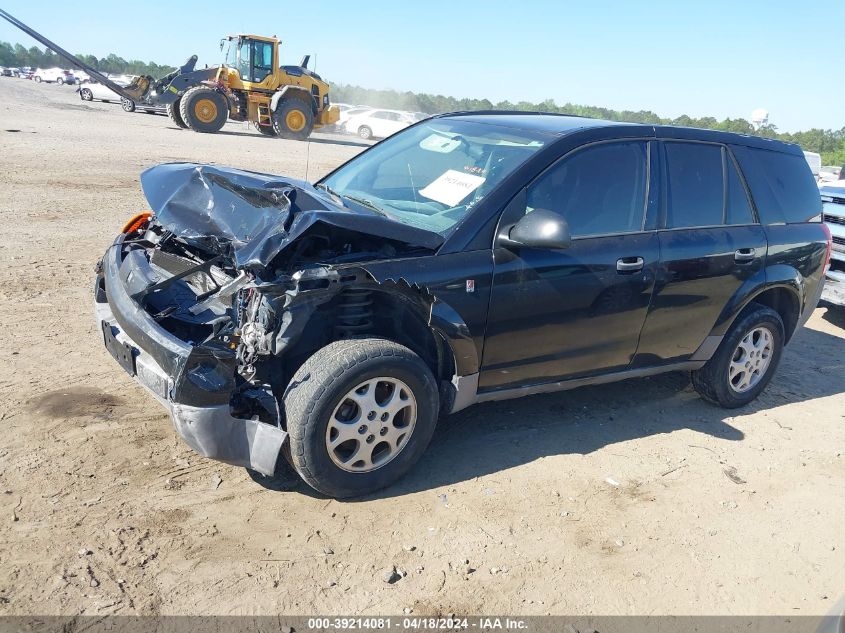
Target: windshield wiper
365,202
329,190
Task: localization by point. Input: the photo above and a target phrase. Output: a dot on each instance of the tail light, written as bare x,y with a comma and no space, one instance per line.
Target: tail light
829,246
137,223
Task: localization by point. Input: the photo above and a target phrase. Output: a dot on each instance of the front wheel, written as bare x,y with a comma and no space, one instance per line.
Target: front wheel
127,104
745,361
86,95
204,109
37,79
360,413
60,81
365,132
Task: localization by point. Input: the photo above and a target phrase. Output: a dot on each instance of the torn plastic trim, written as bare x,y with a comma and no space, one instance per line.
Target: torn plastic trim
251,217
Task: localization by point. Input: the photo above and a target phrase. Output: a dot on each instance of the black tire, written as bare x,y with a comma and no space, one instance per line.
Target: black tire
127,104
37,79
365,132
204,109
60,81
175,115
291,110
266,130
711,381
321,384
85,94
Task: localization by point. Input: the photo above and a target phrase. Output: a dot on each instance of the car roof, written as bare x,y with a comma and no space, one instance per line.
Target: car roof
565,124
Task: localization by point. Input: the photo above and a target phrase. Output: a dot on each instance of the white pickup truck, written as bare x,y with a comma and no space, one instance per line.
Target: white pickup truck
833,214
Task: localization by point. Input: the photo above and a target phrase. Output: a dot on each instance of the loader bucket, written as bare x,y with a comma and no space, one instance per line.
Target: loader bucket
138,89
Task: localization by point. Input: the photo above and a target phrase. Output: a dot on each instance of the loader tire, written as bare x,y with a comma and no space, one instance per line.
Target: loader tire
175,115
204,109
293,119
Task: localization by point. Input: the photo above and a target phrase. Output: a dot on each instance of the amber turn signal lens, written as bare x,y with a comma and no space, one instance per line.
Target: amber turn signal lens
137,222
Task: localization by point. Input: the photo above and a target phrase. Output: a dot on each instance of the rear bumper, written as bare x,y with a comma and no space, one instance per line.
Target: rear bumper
195,384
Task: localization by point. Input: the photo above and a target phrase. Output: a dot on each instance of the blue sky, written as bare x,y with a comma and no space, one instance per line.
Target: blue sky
713,58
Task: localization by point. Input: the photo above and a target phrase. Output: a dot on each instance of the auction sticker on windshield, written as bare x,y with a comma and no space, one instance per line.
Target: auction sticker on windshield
452,187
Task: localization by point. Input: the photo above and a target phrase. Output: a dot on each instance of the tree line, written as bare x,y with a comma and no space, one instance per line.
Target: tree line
17,55
829,143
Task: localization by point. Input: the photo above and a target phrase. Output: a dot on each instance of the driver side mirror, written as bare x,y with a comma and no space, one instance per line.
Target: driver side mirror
540,228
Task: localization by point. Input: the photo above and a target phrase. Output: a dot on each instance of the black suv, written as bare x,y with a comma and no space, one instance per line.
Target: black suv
471,257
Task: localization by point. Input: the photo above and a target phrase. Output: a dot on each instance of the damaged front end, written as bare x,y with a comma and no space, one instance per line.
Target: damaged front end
210,302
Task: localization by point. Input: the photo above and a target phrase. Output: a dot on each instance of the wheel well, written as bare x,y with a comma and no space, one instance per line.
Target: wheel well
785,303
370,312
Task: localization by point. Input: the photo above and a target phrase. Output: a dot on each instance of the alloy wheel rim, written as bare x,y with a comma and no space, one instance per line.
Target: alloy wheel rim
371,424
751,359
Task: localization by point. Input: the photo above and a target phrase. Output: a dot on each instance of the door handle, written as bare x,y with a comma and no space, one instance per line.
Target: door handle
745,255
629,264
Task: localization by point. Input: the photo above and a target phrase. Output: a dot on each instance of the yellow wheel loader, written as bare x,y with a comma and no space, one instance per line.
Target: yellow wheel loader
284,101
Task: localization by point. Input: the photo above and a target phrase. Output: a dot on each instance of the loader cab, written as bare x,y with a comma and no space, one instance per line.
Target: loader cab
251,60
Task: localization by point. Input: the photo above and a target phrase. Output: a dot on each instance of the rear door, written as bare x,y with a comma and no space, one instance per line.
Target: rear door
710,245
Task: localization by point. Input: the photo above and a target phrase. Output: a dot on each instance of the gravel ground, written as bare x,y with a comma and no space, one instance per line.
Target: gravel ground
633,498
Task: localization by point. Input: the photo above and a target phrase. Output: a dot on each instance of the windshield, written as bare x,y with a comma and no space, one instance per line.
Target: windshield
431,175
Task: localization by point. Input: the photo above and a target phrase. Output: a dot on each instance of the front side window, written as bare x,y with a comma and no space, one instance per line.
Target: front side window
245,60
599,190
431,175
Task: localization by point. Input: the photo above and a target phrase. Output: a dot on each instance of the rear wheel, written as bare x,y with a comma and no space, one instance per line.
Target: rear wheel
745,361
365,132
175,115
37,79
127,104
204,109
293,119
85,94
360,413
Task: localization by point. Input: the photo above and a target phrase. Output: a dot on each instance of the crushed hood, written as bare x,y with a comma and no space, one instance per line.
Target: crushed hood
251,217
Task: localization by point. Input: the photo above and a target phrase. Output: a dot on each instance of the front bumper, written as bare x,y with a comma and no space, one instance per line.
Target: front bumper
190,381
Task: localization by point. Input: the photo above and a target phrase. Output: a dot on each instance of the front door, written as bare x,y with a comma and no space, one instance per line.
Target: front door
558,314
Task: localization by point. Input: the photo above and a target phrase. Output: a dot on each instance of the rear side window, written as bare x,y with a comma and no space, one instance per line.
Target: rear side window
694,187
738,209
600,190
782,185
703,187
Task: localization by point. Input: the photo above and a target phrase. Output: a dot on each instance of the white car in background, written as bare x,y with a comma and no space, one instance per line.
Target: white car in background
93,91
379,123
57,75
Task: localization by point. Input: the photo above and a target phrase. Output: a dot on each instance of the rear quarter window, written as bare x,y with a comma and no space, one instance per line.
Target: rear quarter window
781,184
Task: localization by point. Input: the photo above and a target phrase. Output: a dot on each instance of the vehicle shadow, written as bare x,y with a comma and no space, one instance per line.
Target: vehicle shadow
834,314
496,436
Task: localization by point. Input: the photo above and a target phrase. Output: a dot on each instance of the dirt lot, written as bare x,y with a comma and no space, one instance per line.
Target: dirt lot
631,498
